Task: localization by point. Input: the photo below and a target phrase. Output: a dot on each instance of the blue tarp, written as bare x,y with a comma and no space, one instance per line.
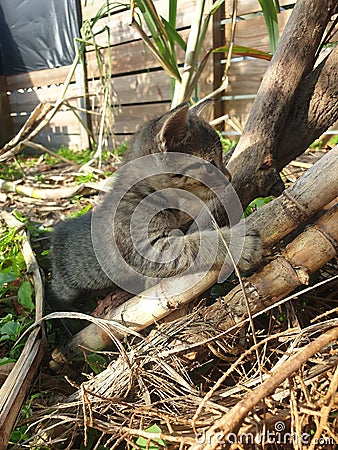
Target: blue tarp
37,34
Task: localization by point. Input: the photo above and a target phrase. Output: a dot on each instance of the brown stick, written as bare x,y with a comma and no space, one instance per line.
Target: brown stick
28,131
217,434
51,194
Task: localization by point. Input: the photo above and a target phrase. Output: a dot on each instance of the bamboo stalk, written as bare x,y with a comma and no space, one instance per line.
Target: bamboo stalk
303,256
191,56
275,220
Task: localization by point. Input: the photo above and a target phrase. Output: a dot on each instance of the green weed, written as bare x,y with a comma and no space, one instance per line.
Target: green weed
16,295
257,203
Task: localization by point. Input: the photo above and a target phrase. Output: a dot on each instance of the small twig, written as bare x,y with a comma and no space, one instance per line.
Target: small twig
247,303
44,149
235,416
219,382
328,402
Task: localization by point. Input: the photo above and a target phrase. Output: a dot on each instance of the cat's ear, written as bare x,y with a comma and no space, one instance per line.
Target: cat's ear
174,128
203,109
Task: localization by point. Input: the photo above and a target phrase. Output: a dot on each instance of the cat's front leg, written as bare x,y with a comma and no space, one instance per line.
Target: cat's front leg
244,244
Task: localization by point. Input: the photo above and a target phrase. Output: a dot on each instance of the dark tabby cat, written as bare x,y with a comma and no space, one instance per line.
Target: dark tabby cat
154,222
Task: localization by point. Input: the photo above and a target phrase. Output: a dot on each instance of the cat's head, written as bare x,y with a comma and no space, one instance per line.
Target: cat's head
182,131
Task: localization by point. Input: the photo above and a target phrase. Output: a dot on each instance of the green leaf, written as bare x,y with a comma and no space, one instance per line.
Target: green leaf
6,360
244,51
25,296
174,35
257,203
6,277
18,215
9,330
215,6
96,362
144,443
172,13
271,20
19,434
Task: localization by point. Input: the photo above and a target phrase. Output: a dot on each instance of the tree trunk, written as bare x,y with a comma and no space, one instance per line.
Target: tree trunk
254,164
315,109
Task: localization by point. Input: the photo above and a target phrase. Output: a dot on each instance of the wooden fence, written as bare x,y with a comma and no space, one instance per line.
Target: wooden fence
141,87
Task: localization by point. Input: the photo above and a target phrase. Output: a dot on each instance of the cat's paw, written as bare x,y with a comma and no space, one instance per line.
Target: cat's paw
252,251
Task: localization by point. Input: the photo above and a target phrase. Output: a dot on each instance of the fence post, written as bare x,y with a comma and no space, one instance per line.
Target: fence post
6,126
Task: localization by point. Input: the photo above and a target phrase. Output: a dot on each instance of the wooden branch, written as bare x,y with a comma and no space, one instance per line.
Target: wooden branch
29,130
315,109
275,220
253,164
13,391
18,382
44,149
230,422
52,194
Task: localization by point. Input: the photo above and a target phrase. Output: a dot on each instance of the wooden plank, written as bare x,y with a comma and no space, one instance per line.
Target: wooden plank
239,109
37,78
16,385
218,31
131,117
206,81
26,100
64,122
249,6
253,32
245,76
6,126
127,58
152,86
93,7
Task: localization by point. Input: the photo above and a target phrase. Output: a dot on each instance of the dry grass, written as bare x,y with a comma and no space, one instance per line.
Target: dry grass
186,375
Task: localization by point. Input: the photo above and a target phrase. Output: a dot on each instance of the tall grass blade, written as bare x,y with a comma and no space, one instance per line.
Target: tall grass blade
271,20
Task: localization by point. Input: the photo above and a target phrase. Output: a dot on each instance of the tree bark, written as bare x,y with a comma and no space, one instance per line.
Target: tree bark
254,163
314,111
